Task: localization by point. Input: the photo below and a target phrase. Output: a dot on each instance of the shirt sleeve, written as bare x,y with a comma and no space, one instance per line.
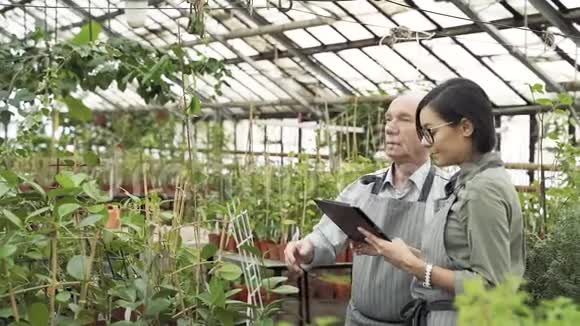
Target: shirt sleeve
328,239
488,234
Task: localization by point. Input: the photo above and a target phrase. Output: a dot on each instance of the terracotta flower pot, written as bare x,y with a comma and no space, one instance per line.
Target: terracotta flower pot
114,220
281,247
322,289
342,291
341,257
231,245
214,238
349,254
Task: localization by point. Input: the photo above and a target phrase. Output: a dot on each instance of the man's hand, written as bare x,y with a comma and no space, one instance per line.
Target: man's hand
298,252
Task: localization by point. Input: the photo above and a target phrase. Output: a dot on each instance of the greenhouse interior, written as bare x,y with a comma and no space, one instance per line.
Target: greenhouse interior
162,162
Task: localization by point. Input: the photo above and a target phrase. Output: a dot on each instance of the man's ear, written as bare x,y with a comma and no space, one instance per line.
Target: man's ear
467,127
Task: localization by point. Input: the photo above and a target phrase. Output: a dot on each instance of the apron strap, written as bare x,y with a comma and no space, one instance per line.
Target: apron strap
379,182
427,185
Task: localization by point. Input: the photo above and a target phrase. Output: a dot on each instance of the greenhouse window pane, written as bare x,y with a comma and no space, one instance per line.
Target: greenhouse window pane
302,38
510,69
523,6
273,15
527,42
427,63
446,8
469,67
366,66
326,34
559,71
392,62
378,23
414,21
352,31
482,44
570,4
243,47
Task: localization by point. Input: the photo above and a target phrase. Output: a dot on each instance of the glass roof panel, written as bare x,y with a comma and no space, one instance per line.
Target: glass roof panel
559,71
251,83
527,42
337,65
366,66
570,3
482,44
392,62
490,10
242,46
302,38
466,65
426,62
523,6
326,34
413,20
352,31
511,69
443,7
273,15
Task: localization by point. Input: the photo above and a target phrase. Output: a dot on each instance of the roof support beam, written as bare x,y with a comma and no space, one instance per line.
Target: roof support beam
289,45
556,19
516,53
266,29
534,21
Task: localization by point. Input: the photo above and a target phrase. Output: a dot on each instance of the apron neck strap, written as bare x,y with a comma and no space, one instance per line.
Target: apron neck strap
427,185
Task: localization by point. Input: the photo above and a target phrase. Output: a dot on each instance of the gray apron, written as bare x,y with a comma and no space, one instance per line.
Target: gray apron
434,306
380,290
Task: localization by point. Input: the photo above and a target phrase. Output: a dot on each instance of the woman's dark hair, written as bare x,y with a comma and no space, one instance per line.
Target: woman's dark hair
459,98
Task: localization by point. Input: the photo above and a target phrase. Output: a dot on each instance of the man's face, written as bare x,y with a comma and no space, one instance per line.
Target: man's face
401,141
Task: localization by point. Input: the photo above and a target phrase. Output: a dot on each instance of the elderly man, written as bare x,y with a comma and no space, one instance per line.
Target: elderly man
398,199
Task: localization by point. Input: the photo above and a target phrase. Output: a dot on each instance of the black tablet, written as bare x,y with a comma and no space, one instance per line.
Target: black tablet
348,218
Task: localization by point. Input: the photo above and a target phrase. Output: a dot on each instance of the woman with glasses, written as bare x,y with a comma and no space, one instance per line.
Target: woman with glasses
477,230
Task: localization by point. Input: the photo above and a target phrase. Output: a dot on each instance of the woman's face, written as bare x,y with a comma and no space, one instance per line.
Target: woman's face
449,143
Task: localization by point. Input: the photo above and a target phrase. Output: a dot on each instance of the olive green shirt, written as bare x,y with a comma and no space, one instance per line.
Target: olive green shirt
484,234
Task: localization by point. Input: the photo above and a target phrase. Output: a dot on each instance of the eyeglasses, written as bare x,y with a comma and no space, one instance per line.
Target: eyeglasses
427,133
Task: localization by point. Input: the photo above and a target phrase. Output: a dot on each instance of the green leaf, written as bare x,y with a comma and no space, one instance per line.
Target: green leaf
89,33
78,110
12,218
10,177
229,271
38,212
7,250
545,102
208,251
272,282
63,297
96,209
77,267
69,180
565,99
92,190
288,222
251,249
538,88
63,192
38,314
4,188
90,220
157,306
66,209
91,159
157,70
24,95
36,186
194,106
123,323
285,289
